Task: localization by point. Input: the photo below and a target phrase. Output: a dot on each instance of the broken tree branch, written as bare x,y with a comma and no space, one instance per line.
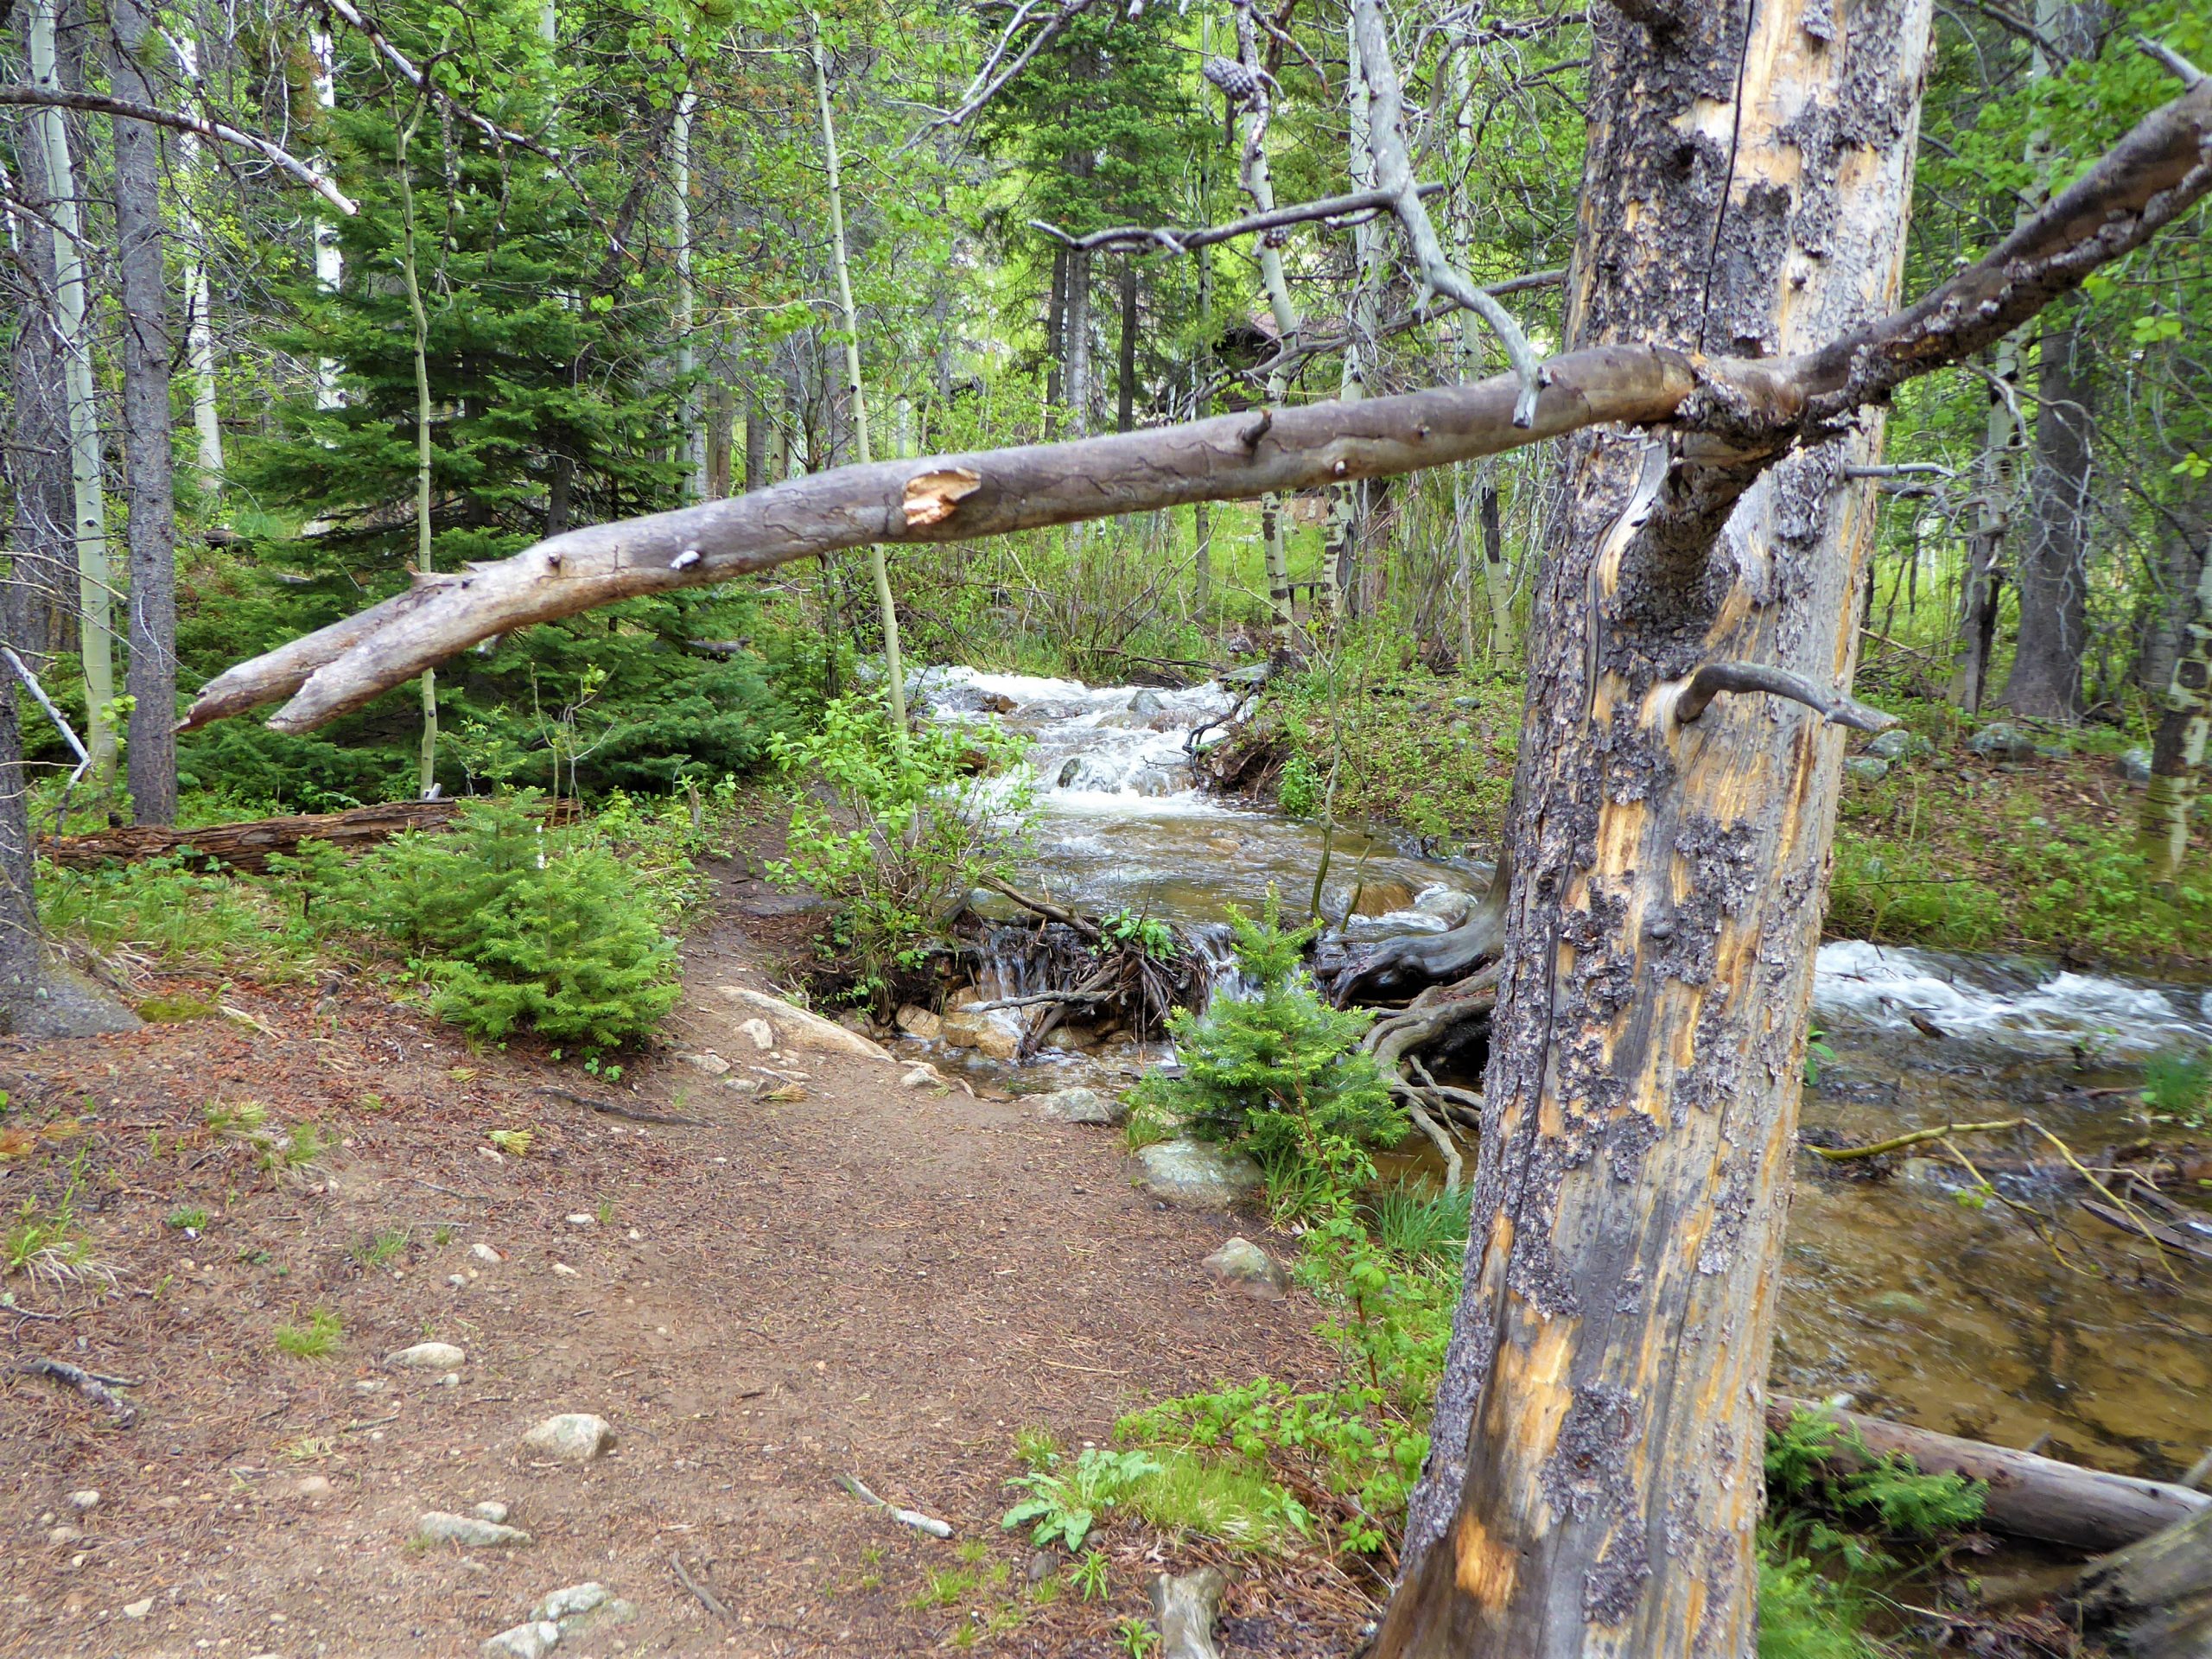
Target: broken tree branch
128,109
1180,241
1710,681
95,1387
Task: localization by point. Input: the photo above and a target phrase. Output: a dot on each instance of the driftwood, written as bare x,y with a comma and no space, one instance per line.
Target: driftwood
2154,1598
249,846
1429,958
2030,1497
1081,966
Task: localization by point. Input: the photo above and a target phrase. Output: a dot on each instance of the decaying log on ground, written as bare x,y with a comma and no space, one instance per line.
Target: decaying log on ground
2030,1497
2154,1598
248,846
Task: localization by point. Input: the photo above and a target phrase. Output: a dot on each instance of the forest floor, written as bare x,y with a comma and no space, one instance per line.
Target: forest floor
854,1279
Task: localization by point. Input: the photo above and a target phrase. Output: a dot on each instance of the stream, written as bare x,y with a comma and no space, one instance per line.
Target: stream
1986,1321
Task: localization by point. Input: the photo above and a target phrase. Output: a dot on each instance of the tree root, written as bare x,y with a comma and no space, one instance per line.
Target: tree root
1431,957
1436,1012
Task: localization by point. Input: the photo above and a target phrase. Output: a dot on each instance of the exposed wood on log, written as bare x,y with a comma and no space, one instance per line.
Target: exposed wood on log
2030,1497
248,846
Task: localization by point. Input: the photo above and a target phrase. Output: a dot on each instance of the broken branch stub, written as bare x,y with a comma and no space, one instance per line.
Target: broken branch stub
931,497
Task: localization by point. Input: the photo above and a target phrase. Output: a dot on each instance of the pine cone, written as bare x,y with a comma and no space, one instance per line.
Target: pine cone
1238,84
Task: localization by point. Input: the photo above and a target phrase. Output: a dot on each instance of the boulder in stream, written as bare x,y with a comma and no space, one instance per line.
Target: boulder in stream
994,1037
1197,1175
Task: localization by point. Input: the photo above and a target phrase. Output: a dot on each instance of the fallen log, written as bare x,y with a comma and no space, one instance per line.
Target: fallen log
2154,1598
249,846
2030,1497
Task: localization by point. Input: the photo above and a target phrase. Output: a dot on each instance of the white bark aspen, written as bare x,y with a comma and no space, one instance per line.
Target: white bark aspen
1474,489
894,678
1338,540
427,773
2178,748
95,587
549,23
1202,515
329,261
695,436
1259,185
200,323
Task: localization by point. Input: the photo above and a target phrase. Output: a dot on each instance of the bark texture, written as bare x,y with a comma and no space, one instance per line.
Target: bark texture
151,673
44,566
2177,745
2154,1599
2054,570
1595,1480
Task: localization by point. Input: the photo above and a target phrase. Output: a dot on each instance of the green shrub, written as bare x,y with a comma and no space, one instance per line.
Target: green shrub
2179,1085
1281,1075
1803,1615
1061,1505
1418,1226
906,832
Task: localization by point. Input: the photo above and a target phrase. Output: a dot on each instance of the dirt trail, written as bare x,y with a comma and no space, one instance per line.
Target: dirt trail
869,1280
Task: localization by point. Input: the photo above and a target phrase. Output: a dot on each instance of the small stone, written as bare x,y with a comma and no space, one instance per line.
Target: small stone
1195,1174
1868,768
761,1033
1244,1266
315,1487
2135,765
709,1062
84,1501
485,1253
921,1077
1040,1565
570,1437
492,1510
917,1022
1898,744
370,1385
566,1604
996,1039
634,1237
581,1220
1896,1304
64,1535
531,1641
2002,742
740,1085
469,1531
450,1379
457,1281
427,1357
1080,1106
138,1609
565,1271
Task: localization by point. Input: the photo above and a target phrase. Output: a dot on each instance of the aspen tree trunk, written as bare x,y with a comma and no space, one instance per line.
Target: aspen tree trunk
88,507
1202,405
893,674
1055,336
42,573
1479,484
1339,540
1259,185
329,261
1595,1477
694,440
427,771
1076,389
150,755
2177,746
199,322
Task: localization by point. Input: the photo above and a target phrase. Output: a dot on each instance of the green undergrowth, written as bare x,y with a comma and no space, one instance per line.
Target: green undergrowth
497,926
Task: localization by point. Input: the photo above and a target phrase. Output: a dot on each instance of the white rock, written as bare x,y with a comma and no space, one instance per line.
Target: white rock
761,1033
709,1062
427,1357
799,1029
570,1437
492,1510
456,1282
568,1603
581,1220
139,1608
85,1501
922,1077
566,1271
63,1535
485,1253
470,1531
450,1379
531,1641
370,1385
315,1486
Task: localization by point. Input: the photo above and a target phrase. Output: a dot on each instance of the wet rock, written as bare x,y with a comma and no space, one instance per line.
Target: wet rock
2135,765
1381,898
1197,1175
1898,744
1071,1035
1242,1265
427,1357
469,1531
917,1022
1897,1305
1080,1106
1069,772
1152,783
492,1510
570,1437
1448,904
2002,742
531,1641
796,1027
711,1064
566,1604
994,1037
923,1077
1147,703
1868,768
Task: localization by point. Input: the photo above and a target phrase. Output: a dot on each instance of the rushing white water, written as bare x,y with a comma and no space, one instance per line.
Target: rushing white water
1123,824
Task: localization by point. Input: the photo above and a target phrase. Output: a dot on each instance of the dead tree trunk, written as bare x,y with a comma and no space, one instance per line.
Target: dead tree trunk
2154,1599
1595,1478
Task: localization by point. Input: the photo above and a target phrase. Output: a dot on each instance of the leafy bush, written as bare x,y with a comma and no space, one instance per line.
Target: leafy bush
1281,1074
1877,1498
1803,1615
906,832
1064,1503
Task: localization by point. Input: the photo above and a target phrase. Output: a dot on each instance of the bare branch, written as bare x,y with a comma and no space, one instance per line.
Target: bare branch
986,86
2187,72
125,109
1393,172
1180,241
1714,678
422,82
